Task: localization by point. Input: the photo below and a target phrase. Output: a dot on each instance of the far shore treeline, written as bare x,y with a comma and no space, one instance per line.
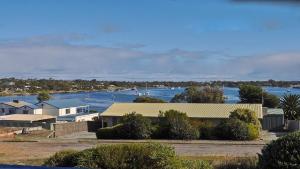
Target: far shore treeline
11,86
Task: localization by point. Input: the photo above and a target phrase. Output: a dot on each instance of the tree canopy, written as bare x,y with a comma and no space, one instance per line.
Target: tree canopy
200,95
255,94
43,96
144,99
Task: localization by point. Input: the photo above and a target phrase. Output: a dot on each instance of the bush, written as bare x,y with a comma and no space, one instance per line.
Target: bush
114,132
131,156
207,130
234,129
282,153
245,115
135,126
176,125
67,158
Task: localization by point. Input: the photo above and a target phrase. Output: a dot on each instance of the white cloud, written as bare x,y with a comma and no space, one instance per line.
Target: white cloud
63,60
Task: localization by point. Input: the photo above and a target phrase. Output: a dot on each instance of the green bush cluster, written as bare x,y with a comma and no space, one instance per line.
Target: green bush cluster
241,125
126,156
283,153
171,124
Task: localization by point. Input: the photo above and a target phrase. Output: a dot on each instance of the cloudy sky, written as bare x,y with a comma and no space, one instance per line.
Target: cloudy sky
197,40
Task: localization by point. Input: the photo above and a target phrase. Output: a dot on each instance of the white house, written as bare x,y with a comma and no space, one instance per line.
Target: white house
63,107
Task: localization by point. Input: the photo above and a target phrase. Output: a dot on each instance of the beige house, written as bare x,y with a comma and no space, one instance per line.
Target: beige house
199,111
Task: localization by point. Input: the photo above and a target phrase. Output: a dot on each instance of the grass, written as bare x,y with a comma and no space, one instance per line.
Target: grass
227,162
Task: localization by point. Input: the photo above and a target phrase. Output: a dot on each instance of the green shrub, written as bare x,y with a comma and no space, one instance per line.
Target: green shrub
245,115
253,131
67,158
135,126
176,125
283,153
234,129
114,132
132,126
245,163
207,130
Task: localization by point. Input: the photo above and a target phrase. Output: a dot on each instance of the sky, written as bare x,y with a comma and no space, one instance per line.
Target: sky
137,40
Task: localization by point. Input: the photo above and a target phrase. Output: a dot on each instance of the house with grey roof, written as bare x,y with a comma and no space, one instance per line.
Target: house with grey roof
63,107
12,107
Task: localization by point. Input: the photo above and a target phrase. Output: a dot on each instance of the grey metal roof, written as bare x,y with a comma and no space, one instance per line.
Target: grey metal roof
66,103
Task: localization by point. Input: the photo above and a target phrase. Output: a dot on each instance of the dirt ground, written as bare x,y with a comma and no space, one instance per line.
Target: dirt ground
34,151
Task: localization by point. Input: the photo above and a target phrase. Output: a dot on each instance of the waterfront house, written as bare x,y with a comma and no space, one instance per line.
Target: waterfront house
12,107
196,111
31,109
63,107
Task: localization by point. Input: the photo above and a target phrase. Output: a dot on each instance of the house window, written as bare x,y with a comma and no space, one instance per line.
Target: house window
11,111
67,111
25,112
3,110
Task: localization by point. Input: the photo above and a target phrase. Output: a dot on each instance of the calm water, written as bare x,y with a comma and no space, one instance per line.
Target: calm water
101,100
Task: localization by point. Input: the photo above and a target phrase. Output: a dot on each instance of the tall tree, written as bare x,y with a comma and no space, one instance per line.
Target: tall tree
43,96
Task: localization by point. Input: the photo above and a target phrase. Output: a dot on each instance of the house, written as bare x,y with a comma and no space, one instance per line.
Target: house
31,109
63,107
12,107
196,111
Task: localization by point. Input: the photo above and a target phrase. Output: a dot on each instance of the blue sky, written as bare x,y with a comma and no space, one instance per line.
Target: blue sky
150,39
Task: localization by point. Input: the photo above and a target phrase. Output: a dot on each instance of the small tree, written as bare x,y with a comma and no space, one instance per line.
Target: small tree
176,125
135,126
291,106
250,94
144,99
270,100
43,96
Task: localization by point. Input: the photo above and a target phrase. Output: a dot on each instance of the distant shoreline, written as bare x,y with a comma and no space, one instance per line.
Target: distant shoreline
50,92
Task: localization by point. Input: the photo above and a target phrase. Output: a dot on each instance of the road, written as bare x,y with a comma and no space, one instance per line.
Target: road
20,152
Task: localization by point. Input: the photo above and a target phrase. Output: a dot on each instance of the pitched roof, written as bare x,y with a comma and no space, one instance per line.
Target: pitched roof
26,117
65,103
17,104
196,110
275,111
32,106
